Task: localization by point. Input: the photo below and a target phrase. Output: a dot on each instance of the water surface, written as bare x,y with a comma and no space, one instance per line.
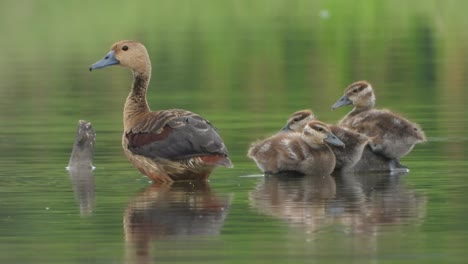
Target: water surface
246,66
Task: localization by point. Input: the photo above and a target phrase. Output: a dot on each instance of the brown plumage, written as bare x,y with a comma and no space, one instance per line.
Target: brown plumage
392,136
298,120
346,157
304,152
165,145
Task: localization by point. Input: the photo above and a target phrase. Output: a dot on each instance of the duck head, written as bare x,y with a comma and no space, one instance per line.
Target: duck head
297,121
128,53
318,132
360,94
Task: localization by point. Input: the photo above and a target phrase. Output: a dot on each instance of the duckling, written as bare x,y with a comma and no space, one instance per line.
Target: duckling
346,157
165,145
371,161
304,152
392,136
298,120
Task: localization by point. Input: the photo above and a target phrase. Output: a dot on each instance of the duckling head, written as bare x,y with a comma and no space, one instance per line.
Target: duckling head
360,94
297,121
127,53
319,133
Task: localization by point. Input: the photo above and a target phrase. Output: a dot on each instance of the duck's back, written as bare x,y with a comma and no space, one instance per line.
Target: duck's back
277,153
391,135
285,152
174,134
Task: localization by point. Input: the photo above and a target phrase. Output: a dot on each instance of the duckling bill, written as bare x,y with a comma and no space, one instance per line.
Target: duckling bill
392,135
165,145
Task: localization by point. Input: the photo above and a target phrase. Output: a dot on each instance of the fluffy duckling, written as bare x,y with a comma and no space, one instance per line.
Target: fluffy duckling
346,157
298,120
304,152
392,136
165,145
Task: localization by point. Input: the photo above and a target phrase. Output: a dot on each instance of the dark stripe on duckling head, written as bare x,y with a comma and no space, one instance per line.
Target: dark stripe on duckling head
325,132
356,87
296,121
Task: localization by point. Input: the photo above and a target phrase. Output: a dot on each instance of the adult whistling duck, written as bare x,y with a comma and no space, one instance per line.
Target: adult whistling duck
165,145
305,152
392,135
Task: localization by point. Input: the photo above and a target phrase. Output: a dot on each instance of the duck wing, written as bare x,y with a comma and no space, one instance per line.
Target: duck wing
384,123
176,135
391,135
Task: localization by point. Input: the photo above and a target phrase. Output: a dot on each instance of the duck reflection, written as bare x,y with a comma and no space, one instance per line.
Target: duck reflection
301,201
165,211
82,179
366,201
354,203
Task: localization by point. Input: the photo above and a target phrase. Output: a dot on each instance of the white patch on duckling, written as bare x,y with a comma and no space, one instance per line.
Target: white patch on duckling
285,142
291,154
265,147
396,121
367,89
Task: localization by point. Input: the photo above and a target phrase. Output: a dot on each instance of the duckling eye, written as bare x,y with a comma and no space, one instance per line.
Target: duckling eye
320,129
355,90
296,119
125,48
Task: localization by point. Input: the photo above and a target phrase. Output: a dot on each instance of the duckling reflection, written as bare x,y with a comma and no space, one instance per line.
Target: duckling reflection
364,202
352,203
169,210
82,180
300,201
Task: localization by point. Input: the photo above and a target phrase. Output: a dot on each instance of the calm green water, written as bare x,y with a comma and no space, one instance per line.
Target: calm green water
244,65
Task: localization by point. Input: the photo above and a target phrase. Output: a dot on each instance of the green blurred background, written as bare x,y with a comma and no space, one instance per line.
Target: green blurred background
245,66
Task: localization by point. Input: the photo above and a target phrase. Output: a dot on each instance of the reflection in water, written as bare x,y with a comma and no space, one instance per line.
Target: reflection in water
359,203
165,211
82,180
299,200
367,201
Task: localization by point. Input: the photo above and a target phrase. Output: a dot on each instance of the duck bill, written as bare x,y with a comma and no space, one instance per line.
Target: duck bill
285,129
334,140
344,100
108,60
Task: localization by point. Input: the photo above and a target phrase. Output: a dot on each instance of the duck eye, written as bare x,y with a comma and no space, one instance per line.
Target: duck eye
320,129
355,90
125,48
296,119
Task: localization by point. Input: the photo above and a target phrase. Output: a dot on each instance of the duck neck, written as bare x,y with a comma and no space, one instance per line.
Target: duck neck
136,103
365,106
356,110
